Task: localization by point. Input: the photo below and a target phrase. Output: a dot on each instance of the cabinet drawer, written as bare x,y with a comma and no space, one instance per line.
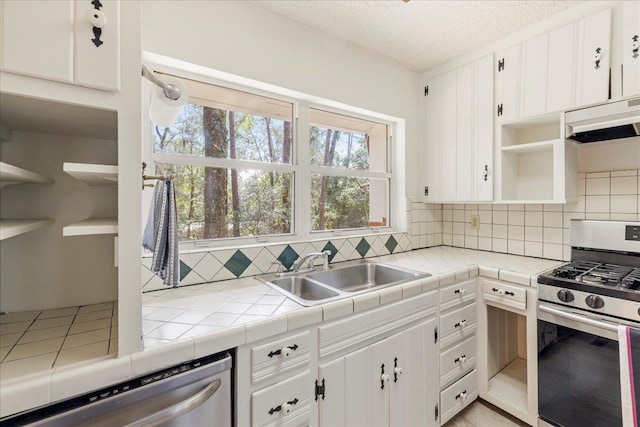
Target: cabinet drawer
511,295
279,356
269,406
457,396
457,361
457,294
458,324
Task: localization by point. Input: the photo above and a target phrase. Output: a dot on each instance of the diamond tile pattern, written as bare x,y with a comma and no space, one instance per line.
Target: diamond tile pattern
288,257
329,247
238,263
222,264
391,244
363,247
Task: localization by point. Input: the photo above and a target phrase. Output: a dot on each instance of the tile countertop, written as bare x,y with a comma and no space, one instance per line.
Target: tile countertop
194,321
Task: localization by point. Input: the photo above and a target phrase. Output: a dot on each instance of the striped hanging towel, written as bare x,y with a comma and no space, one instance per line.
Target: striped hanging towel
629,340
161,234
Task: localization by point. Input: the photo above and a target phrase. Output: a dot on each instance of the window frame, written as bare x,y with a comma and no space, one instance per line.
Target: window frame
300,167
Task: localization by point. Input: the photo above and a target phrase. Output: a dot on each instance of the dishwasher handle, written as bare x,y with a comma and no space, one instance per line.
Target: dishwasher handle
179,408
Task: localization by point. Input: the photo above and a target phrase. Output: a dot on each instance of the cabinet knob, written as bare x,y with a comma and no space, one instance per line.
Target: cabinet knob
461,324
397,371
284,351
635,44
462,395
461,291
461,360
285,407
385,378
485,172
97,18
597,57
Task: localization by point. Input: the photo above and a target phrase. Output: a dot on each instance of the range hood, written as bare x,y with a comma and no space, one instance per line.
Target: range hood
604,122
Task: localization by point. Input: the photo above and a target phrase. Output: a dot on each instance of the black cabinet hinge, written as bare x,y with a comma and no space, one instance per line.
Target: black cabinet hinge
435,334
501,65
426,91
320,389
426,190
499,110
436,412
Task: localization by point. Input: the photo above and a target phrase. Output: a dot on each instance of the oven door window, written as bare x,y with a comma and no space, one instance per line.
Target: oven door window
578,378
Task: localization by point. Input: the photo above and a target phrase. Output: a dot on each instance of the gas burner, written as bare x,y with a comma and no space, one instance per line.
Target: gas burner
606,274
573,270
632,281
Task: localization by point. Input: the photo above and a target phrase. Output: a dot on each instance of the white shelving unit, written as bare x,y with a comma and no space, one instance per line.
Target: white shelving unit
510,384
92,174
10,174
537,164
15,227
91,226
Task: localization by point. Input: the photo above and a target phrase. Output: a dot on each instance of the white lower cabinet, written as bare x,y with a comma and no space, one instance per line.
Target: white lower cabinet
458,396
286,403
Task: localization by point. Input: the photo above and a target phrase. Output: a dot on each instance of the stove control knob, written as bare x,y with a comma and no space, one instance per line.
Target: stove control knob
594,301
565,295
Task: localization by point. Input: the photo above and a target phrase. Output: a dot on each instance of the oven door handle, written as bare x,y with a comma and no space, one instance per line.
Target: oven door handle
578,318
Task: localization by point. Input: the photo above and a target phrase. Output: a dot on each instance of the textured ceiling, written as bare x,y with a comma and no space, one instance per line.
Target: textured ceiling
421,33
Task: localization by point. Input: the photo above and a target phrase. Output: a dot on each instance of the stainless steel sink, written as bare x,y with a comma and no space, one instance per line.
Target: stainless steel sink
368,275
304,288
340,281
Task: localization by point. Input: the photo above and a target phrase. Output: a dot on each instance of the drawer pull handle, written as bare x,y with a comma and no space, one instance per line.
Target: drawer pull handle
502,292
285,408
462,359
460,291
284,352
396,370
462,395
461,324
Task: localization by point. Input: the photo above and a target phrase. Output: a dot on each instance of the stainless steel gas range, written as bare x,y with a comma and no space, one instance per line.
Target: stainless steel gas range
580,306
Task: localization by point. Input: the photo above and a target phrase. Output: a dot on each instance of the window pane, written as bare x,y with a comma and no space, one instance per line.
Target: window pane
224,123
216,203
341,202
340,141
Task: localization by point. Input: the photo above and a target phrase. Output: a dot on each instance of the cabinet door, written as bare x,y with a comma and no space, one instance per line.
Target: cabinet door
346,398
380,377
431,160
415,394
594,73
483,172
562,60
507,66
465,101
630,56
449,137
37,39
535,65
98,66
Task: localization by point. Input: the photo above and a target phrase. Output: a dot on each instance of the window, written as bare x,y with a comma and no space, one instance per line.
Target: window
240,170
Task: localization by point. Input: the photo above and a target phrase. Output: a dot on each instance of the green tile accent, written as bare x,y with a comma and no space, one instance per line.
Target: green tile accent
184,270
238,263
363,247
391,244
331,248
288,257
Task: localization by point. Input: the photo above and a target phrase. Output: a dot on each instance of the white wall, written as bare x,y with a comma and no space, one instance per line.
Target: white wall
243,39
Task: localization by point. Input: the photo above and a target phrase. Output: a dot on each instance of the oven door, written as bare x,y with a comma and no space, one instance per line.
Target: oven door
578,369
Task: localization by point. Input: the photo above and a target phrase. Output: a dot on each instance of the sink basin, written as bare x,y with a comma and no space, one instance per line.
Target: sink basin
318,287
304,288
368,275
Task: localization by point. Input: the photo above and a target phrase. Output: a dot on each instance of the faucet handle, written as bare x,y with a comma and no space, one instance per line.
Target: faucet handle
280,268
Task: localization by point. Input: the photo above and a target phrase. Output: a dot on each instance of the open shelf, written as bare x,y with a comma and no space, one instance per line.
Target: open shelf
15,227
91,174
530,147
91,226
510,384
10,174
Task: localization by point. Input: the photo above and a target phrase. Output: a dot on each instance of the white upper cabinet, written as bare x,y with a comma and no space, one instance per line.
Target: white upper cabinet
595,58
37,39
458,151
65,41
562,61
507,76
630,48
535,66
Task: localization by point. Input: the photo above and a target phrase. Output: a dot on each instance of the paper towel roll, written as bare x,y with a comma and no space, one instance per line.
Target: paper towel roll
164,111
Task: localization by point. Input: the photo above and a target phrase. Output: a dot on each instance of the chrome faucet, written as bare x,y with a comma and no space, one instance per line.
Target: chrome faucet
310,258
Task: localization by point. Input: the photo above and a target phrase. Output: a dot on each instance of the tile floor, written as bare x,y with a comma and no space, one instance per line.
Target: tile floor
39,340
484,414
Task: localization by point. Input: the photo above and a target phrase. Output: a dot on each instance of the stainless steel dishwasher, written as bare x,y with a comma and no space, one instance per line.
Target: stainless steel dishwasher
193,394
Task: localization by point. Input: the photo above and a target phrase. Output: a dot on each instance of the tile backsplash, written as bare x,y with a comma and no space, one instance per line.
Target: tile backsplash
538,230
222,264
